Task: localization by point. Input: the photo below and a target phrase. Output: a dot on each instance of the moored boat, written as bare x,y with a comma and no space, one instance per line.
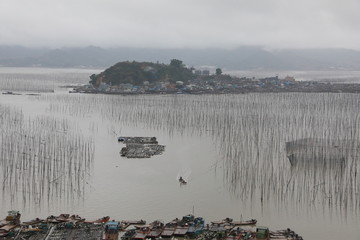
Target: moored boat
126,223
243,223
141,233
11,221
169,229
239,234
226,220
134,222
168,232
181,231
128,234
196,227
156,229
75,219
155,233
33,221
111,231
182,181
64,217
100,220
262,233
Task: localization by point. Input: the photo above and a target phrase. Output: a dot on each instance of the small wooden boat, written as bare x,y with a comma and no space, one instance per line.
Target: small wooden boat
7,228
181,231
168,232
11,221
4,222
63,217
134,222
182,181
128,234
225,227
244,223
156,229
238,234
100,220
76,219
126,223
154,233
13,218
52,220
58,219
124,226
141,233
196,227
169,229
226,220
33,221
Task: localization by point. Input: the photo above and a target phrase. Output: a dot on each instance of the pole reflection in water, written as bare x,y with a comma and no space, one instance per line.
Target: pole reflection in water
44,160
250,132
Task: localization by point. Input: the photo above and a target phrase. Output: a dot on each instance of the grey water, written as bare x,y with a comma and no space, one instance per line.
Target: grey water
332,76
60,155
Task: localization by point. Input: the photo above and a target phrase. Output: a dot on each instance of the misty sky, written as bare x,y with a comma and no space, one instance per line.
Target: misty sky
181,23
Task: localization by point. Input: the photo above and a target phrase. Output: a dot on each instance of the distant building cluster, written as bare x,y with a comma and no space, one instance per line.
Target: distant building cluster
202,72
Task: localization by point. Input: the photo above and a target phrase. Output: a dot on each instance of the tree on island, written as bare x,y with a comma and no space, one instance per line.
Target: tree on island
136,73
218,71
176,63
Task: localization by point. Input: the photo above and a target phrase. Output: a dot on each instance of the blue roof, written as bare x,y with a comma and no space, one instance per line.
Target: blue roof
112,223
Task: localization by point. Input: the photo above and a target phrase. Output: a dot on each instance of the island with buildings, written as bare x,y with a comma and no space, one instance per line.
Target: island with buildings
157,78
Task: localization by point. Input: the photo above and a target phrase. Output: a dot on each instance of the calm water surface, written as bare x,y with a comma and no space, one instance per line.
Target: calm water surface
230,148
338,76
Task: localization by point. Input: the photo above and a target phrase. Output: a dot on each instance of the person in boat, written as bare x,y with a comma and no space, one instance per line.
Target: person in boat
181,180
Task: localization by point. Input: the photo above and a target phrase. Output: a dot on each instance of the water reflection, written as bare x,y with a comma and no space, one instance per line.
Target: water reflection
40,79
250,132
43,160
325,171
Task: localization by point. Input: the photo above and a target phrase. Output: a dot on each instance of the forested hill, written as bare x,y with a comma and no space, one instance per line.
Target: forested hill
136,73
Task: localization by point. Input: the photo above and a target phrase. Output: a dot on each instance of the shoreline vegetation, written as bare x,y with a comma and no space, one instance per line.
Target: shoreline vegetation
129,78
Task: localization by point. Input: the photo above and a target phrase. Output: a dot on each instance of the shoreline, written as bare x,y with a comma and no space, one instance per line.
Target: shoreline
65,226
272,87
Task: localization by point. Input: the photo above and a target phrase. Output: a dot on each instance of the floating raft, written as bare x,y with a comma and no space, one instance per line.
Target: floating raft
140,147
141,140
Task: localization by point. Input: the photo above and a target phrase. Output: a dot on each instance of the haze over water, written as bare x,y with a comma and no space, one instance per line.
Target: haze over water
231,148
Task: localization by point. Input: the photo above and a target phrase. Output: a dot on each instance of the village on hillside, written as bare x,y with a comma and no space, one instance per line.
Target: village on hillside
175,78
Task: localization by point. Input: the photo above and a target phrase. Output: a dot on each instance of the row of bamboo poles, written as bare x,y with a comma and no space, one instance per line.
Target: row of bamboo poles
250,132
42,158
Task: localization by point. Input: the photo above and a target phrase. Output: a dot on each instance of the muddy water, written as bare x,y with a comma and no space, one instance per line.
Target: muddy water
230,149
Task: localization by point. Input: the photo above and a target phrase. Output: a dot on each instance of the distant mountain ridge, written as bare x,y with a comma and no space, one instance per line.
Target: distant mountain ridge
242,58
